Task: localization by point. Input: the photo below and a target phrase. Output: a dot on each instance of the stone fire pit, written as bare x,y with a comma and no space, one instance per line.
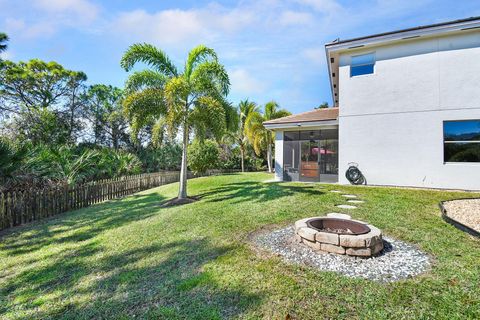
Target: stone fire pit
339,234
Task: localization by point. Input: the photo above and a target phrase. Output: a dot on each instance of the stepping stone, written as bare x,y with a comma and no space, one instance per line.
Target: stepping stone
339,215
346,206
349,196
336,191
355,201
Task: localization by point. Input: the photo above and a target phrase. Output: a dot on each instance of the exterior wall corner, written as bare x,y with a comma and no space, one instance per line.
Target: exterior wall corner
278,155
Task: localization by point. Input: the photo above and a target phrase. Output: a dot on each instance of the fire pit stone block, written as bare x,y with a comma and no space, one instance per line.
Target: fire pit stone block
302,223
312,244
307,233
359,252
298,238
332,248
327,237
352,241
377,248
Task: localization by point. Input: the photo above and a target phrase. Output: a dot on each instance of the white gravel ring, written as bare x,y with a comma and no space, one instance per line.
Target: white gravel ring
398,260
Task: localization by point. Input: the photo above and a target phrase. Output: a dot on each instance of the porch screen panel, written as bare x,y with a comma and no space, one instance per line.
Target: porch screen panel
329,151
291,151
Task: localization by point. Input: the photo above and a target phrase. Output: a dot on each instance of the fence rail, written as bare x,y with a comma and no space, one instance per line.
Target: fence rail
20,207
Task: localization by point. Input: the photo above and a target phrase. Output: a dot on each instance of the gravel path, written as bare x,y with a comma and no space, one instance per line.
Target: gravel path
466,212
397,261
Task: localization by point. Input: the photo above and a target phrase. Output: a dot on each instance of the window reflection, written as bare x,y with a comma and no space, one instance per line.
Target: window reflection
461,141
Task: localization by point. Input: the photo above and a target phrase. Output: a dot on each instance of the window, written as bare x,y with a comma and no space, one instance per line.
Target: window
461,141
362,64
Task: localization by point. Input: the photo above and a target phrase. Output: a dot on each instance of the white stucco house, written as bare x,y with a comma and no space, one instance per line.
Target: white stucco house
406,110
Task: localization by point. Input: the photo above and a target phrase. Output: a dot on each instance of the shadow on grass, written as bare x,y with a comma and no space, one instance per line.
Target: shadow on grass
257,191
80,225
156,281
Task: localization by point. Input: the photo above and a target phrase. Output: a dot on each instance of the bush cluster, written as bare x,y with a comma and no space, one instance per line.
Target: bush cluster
24,165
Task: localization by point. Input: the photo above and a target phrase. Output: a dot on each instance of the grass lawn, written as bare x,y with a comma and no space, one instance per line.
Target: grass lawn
132,257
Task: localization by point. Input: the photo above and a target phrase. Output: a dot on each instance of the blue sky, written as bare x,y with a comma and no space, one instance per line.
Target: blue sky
272,49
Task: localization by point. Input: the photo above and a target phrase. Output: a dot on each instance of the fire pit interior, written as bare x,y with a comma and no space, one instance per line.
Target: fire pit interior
341,236
339,226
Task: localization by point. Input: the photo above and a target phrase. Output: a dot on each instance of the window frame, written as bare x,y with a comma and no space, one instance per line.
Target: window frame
458,141
363,64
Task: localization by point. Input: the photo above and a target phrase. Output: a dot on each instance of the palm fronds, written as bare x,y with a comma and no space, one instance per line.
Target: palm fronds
150,55
144,79
196,56
3,41
261,138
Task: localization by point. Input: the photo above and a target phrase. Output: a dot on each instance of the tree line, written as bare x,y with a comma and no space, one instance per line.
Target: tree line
57,129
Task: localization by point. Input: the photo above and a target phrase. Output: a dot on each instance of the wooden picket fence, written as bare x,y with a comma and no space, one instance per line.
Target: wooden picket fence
20,207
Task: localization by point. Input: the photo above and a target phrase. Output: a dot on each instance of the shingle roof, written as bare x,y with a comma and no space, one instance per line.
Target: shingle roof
309,116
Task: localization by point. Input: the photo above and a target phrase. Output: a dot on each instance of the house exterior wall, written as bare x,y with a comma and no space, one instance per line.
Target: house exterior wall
279,155
391,122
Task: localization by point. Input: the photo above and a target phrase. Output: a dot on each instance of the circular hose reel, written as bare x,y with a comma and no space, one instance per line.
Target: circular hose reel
354,175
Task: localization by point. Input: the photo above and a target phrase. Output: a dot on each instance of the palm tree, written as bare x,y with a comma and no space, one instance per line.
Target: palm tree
258,135
192,100
3,42
12,158
244,110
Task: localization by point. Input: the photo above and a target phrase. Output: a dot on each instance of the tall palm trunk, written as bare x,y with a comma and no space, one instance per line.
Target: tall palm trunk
182,192
242,157
269,157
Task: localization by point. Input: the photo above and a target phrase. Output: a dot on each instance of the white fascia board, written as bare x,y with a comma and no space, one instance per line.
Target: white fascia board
327,55
292,125
406,35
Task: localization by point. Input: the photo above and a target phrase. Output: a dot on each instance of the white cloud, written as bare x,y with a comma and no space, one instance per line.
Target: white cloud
315,55
166,26
289,17
324,6
29,30
176,26
244,83
78,10
47,17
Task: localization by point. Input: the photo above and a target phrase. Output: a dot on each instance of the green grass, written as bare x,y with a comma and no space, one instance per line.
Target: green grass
132,257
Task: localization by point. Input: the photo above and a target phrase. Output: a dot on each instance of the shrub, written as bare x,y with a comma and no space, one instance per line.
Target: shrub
70,164
12,157
112,163
202,155
230,159
166,157
258,164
